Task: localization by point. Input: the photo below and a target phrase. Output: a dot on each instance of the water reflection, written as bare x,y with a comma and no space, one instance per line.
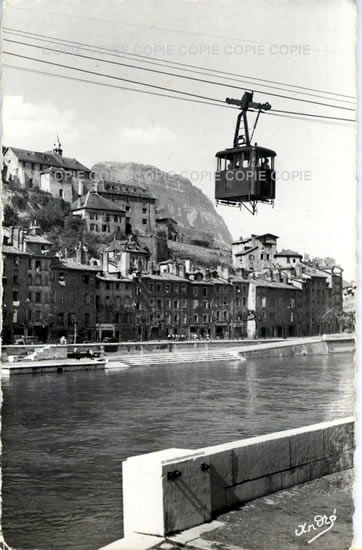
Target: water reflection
64,436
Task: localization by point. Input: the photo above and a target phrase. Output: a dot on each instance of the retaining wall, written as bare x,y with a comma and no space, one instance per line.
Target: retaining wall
176,489
268,348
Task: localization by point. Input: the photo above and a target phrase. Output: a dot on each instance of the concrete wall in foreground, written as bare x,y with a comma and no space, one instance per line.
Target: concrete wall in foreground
176,489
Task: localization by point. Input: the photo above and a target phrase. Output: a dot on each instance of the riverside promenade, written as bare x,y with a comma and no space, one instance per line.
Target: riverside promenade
274,522
282,490
52,358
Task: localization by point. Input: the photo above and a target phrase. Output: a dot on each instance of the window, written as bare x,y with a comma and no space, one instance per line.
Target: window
292,316
237,289
38,315
159,287
272,316
105,228
205,304
93,216
268,256
183,289
60,318
168,303
108,285
262,256
237,302
15,295
15,279
292,303
38,279
85,279
87,299
38,297
204,291
159,304
167,288
150,287
251,257
225,315
86,319
144,221
184,304
61,193
37,265
263,301
196,318
92,227
108,218
144,209
205,318
176,304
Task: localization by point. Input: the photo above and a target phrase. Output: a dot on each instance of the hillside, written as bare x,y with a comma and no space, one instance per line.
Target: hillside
177,198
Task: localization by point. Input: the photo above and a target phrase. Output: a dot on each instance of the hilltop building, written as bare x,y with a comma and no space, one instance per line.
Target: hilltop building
101,215
49,171
137,201
255,252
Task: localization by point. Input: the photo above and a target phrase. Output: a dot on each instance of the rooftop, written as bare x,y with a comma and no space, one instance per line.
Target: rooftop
126,246
37,239
6,249
288,253
119,188
71,263
271,284
165,277
93,201
49,158
247,251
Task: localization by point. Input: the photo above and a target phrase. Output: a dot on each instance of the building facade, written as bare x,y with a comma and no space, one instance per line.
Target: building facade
137,201
25,167
101,216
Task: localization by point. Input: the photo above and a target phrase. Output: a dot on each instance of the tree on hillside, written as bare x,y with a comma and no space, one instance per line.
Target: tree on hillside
11,217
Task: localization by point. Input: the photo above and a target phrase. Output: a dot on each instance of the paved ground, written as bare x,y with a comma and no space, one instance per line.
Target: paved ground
281,521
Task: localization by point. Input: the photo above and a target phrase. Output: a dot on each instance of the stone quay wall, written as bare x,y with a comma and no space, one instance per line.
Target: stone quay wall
257,348
176,489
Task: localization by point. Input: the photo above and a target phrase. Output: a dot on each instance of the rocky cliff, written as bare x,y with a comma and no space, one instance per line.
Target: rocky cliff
177,198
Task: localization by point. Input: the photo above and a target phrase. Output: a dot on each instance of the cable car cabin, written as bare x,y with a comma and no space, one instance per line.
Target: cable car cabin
245,175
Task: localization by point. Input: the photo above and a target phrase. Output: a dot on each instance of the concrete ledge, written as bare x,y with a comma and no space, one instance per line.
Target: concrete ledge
177,489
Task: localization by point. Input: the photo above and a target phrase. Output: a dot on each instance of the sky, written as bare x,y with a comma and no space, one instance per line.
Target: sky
307,43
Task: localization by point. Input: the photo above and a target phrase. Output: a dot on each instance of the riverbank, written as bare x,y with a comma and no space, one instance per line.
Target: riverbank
187,352
272,522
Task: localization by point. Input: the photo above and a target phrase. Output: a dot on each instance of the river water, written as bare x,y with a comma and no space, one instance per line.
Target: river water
64,436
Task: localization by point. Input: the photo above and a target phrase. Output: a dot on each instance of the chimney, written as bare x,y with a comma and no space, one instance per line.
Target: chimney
78,252
35,229
105,264
84,256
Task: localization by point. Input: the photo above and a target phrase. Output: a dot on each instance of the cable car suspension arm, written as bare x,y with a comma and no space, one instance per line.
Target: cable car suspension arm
246,103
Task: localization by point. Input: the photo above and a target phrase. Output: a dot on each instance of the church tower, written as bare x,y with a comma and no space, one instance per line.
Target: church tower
58,147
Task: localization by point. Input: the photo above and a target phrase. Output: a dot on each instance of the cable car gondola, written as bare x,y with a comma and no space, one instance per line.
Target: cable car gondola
245,173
